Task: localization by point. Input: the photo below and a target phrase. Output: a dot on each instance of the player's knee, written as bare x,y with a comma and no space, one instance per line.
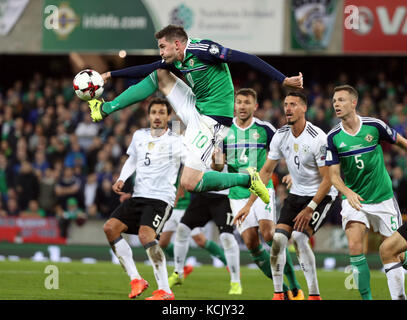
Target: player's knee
300,238
228,240
355,246
386,252
109,229
200,240
183,232
279,243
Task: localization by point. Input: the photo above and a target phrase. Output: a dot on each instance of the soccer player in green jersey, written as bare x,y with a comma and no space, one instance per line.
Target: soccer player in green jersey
368,200
246,145
205,106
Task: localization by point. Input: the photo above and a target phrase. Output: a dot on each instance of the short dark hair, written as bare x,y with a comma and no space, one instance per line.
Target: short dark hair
298,94
351,90
160,101
172,32
247,92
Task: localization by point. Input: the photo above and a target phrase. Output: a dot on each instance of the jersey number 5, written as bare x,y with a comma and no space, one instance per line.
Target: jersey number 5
359,162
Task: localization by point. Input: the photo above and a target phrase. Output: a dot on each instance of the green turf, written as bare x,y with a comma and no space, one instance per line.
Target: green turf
25,280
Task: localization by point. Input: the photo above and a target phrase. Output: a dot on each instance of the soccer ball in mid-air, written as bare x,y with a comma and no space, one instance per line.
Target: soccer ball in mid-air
88,84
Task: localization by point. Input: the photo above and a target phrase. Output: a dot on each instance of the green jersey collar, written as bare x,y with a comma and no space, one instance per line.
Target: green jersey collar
355,134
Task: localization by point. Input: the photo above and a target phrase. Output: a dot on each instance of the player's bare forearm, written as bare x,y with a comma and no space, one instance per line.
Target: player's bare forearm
401,141
325,185
334,174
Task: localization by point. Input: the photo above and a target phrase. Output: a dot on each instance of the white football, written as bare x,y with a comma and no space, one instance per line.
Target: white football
88,84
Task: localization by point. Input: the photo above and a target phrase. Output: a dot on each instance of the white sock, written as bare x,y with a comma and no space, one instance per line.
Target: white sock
157,258
306,258
232,254
123,252
395,280
181,246
278,259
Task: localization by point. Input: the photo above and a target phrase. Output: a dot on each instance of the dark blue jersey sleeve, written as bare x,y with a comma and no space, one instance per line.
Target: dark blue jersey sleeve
212,52
143,70
386,133
332,156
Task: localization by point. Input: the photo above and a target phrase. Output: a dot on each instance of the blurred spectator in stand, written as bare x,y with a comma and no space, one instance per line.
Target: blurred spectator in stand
27,185
6,177
106,200
71,213
12,207
86,131
40,163
91,186
33,210
47,196
75,154
68,186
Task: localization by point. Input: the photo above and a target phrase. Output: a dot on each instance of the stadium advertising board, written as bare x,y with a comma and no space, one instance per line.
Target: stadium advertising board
375,26
26,230
312,23
95,25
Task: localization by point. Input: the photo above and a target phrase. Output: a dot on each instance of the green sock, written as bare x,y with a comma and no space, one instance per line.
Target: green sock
133,94
214,181
215,250
169,250
289,272
360,262
261,257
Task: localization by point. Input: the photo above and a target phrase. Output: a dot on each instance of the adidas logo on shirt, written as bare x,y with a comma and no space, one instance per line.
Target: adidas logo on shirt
342,145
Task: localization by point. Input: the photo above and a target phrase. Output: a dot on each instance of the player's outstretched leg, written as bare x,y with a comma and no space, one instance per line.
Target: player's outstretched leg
214,181
136,93
306,258
277,262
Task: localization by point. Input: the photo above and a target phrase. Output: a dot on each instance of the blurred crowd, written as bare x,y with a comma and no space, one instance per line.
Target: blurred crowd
54,161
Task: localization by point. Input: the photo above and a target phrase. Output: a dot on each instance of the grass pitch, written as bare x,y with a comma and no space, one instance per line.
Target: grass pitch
25,280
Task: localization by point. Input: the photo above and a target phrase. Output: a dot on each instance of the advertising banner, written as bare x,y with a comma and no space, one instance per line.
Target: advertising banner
100,25
312,23
25,230
375,26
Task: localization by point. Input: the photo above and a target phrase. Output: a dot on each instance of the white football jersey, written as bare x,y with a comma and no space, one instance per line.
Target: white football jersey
303,156
158,162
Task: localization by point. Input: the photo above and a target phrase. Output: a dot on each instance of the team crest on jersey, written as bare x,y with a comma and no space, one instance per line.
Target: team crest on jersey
151,145
296,147
191,62
256,135
369,138
214,49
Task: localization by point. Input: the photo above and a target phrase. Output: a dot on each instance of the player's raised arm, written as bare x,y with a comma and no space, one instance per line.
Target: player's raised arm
218,53
401,141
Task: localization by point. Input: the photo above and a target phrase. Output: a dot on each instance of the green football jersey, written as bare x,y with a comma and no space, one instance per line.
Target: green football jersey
208,77
247,148
361,158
